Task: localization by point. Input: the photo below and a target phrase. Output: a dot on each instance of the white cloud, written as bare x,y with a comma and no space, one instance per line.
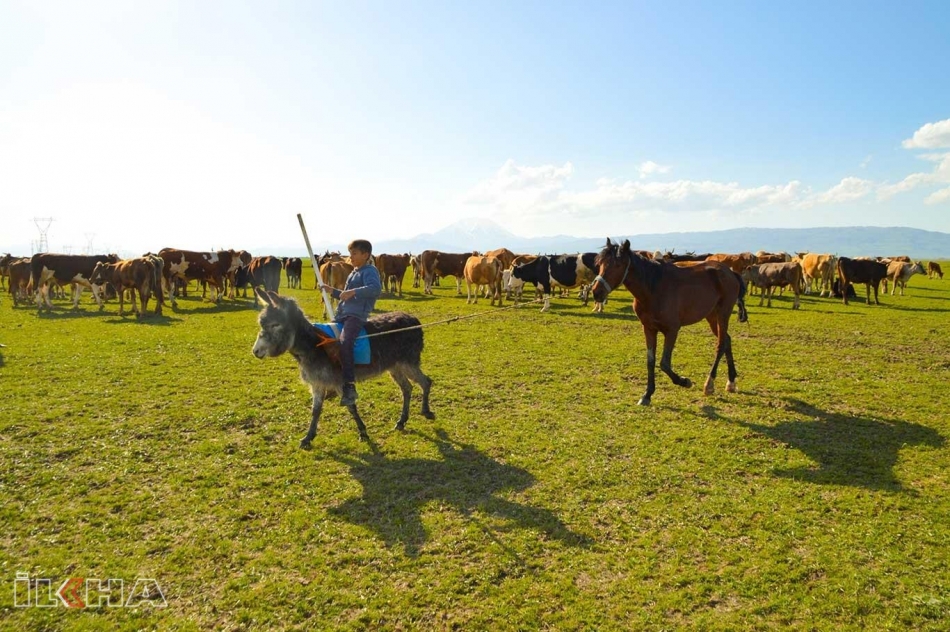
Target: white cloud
930,136
938,197
867,161
514,185
650,168
848,190
940,175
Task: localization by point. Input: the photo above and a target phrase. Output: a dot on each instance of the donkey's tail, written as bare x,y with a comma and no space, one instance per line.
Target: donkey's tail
743,314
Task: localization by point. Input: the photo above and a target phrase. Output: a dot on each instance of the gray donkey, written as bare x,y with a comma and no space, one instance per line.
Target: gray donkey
285,328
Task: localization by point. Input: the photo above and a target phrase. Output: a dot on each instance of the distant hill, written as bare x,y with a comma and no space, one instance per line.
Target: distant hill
850,241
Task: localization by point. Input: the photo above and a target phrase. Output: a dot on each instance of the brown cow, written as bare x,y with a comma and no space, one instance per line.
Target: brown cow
861,271
392,269
819,269
5,262
933,269
135,274
20,280
768,276
737,263
294,268
187,265
443,264
74,270
262,271
899,273
504,255
485,270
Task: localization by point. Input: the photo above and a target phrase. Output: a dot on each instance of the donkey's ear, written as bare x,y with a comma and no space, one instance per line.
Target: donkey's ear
609,245
274,298
265,297
626,246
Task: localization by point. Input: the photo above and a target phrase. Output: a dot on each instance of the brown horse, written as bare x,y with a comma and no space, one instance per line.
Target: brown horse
667,297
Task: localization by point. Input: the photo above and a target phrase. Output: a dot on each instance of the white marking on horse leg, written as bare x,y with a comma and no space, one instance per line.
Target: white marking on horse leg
731,386
709,388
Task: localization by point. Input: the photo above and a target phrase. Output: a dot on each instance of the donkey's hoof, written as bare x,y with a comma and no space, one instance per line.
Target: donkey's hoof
428,414
364,437
644,401
687,383
305,444
400,426
731,387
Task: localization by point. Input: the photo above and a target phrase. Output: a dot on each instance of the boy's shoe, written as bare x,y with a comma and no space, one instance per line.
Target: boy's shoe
349,395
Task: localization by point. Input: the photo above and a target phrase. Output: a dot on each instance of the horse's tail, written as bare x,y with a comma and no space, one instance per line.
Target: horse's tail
743,314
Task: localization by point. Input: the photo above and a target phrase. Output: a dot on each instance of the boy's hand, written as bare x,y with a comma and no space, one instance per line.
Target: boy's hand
347,295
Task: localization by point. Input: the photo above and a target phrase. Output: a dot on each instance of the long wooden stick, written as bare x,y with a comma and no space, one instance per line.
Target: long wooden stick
316,269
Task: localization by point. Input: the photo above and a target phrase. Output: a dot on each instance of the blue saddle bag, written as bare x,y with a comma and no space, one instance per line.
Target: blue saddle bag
360,349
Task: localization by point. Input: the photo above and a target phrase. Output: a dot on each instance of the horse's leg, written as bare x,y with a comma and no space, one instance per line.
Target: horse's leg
319,393
414,373
666,362
731,364
406,387
650,336
713,319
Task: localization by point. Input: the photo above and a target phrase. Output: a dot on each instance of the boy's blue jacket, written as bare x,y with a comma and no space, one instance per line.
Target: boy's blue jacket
365,282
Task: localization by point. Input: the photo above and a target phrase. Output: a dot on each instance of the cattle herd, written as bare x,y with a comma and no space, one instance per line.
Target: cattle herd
165,275
495,274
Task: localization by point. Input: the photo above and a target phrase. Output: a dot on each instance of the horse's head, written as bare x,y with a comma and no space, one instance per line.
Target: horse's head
613,265
278,324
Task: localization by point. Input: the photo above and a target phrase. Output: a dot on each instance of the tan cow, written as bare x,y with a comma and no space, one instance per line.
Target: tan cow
335,273
483,270
819,269
737,263
899,273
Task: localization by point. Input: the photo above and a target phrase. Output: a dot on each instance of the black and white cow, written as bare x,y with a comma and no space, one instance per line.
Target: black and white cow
568,271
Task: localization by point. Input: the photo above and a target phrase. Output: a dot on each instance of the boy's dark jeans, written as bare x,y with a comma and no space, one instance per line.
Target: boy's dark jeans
349,331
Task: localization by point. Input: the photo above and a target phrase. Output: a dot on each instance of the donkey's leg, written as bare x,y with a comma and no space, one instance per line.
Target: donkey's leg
414,373
666,362
650,336
360,426
404,385
318,396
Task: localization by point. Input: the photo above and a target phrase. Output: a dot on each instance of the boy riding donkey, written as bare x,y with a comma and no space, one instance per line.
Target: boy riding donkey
357,300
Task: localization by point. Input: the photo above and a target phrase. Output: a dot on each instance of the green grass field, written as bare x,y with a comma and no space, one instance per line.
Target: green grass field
542,496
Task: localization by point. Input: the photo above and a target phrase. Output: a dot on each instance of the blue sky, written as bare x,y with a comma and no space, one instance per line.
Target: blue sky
211,124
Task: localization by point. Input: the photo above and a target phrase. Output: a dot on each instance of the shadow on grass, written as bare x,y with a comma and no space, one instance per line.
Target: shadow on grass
396,491
149,319
67,313
848,450
239,305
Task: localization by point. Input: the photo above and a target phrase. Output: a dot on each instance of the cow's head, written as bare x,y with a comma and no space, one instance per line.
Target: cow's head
278,324
515,282
101,274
